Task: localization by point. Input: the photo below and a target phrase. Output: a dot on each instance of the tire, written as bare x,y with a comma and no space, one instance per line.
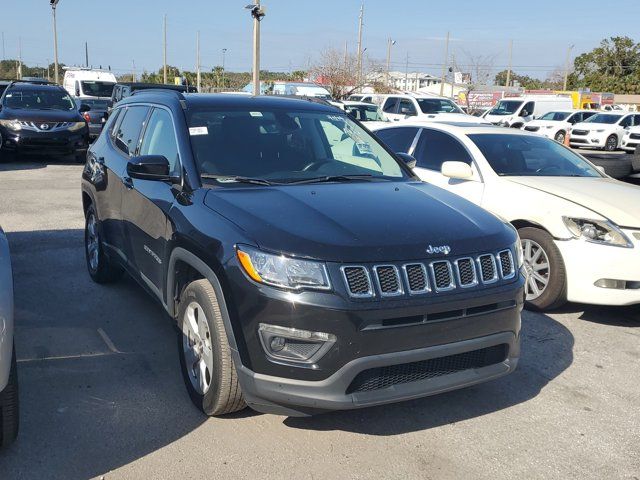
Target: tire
635,160
611,144
517,125
554,293
210,375
101,268
9,408
560,136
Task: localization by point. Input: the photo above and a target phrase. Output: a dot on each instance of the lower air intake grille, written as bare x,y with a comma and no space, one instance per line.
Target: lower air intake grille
358,281
385,377
506,263
442,275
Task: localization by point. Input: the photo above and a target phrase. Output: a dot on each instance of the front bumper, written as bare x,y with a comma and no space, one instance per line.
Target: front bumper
586,263
629,144
45,143
592,139
474,320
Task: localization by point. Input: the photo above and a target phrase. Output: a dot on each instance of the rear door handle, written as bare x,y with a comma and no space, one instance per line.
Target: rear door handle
127,182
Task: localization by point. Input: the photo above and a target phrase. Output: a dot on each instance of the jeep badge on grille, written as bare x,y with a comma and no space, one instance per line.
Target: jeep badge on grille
445,249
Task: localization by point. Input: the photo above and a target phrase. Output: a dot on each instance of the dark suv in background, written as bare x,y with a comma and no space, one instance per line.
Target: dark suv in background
126,89
306,266
41,119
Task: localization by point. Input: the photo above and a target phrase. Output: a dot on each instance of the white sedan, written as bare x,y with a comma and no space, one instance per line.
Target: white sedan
556,124
580,229
602,130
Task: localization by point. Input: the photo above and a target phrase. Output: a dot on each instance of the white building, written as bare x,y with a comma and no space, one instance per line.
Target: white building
407,82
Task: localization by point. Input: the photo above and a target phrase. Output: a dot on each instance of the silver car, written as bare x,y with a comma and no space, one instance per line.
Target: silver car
8,372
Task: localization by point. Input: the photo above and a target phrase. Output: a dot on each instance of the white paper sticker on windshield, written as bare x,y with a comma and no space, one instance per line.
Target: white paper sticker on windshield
255,114
198,131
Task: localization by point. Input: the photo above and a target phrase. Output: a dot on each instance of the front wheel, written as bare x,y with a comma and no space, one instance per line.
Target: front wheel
101,268
546,286
205,355
560,136
611,143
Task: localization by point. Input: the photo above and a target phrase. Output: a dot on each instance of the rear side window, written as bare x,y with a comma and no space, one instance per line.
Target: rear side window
160,139
128,133
391,105
398,139
112,122
434,148
407,108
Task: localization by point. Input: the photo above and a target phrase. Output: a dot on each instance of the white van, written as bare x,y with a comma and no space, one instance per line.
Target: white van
516,111
89,83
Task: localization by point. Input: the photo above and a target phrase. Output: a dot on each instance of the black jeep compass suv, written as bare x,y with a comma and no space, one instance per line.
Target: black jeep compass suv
40,118
306,266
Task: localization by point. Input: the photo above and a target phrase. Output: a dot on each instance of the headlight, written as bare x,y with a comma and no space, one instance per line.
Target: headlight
281,271
11,125
597,231
74,127
519,252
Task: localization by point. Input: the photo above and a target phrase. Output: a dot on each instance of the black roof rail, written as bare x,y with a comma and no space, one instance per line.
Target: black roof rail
33,82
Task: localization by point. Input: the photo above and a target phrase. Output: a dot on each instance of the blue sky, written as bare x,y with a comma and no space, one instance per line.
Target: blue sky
294,31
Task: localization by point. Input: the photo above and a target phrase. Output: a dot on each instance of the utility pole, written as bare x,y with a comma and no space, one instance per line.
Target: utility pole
86,54
258,14
19,73
390,43
224,54
48,70
444,67
359,62
54,4
4,53
566,67
133,75
164,50
198,77
453,80
346,55
510,59
406,74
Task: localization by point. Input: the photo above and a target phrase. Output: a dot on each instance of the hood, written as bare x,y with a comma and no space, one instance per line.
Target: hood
610,198
592,126
359,222
41,115
545,123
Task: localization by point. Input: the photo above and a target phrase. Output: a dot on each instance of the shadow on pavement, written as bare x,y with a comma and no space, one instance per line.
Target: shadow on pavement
100,384
33,162
547,350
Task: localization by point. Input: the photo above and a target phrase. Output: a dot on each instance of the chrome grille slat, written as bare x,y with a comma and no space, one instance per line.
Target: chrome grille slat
388,280
488,268
417,278
358,281
442,275
507,268
466,272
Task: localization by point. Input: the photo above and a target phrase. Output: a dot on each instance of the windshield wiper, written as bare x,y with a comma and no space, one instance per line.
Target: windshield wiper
332,178
237,179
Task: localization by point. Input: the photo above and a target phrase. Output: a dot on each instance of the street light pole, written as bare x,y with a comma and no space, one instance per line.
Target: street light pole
54,4
198,76
224,52
257,12
390,43
359,65
164,49
566,68
444,67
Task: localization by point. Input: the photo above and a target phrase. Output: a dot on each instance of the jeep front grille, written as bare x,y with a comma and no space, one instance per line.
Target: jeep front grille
418,278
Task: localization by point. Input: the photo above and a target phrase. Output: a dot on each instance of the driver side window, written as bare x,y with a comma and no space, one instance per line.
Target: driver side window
528,108
435,147
407,108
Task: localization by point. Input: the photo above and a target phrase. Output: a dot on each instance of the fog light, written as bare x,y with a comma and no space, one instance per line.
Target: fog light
611,283
291,345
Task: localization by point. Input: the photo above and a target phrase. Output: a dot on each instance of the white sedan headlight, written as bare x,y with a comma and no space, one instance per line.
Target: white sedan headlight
75,126
281,271
11,125
597,231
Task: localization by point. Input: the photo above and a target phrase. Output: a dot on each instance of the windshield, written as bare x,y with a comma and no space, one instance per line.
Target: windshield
609,118
529,156
283,146
505,107
44,99
92,88
365,113
437,105
555,116
94,104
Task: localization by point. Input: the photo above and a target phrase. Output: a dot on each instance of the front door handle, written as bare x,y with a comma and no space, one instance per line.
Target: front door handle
127,182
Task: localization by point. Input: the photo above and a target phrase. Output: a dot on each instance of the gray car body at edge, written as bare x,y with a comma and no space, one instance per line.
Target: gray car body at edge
6,311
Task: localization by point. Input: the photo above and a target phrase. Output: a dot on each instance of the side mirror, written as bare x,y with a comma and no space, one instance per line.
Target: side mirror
457,170
409,161
84,108
149,167
406,111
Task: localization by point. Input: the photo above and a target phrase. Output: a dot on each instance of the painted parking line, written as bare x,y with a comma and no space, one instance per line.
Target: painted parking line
108,342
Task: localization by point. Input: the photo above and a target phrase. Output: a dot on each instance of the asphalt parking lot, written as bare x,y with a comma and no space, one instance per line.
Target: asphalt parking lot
102,395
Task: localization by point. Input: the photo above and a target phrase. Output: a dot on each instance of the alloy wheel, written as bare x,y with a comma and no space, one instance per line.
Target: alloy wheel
93,242
536,263
196,348
612,144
